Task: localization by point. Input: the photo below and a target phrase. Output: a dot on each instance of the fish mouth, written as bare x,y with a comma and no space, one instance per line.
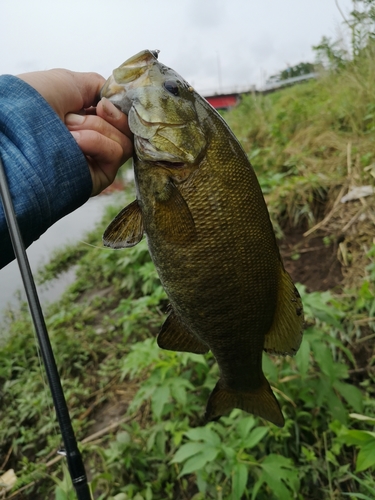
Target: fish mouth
170,164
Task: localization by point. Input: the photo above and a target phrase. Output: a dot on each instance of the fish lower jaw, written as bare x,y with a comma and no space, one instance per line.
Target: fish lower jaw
148,153
170,164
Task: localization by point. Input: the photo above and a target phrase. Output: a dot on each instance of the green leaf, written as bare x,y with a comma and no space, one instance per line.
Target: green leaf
366,456
193,464
357,438
337,408
239,480
159,398
303,358
60,494
351,394
364,418
269,368
278,472
204,434
338,343
358,496
324,358
257,487
317,305
178,389
244,426
277,486
186,451
255,436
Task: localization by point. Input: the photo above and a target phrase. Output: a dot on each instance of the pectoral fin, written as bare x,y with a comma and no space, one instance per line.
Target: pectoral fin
285,335
173,218
174,337
126,229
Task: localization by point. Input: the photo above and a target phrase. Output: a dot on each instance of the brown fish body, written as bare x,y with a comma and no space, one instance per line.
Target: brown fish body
212,242
221,286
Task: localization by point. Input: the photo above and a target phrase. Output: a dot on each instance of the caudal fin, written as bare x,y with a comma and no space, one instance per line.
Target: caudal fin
261,402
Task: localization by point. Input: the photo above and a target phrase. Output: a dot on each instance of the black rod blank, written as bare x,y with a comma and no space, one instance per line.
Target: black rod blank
73,455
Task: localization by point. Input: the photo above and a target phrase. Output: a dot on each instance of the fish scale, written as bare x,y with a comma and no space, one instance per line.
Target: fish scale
209,235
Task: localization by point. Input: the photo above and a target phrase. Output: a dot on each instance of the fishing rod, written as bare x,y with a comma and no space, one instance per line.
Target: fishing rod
71,451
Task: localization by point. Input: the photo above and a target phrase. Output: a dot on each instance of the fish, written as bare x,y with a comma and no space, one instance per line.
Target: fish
209,234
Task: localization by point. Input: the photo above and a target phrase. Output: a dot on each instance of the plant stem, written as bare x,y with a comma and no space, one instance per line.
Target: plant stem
328,467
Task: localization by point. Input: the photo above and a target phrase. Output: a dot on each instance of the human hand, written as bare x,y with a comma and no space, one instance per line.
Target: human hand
102,133
105,139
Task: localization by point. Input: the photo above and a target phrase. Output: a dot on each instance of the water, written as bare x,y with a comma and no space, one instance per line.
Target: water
70,229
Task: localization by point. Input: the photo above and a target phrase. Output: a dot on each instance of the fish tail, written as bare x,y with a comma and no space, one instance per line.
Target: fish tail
261,402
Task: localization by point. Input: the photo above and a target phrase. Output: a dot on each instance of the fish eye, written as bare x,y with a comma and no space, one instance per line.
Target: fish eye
171,86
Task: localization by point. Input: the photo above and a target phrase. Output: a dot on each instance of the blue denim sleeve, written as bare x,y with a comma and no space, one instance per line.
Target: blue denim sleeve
47,172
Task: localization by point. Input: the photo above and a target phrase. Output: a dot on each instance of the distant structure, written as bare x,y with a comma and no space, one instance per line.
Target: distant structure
227,101
274,83
223,101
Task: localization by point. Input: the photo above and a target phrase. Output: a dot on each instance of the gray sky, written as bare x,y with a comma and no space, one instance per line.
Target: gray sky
214,44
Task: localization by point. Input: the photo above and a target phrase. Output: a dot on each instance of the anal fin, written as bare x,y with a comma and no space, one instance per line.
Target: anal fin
260,402
174,337
285,334
126,229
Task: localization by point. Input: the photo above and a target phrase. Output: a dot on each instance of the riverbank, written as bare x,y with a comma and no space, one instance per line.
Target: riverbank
67,231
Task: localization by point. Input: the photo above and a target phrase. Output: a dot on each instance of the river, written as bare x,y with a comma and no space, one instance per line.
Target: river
70,229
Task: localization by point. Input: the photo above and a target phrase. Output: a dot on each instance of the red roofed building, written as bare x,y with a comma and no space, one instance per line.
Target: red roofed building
223,101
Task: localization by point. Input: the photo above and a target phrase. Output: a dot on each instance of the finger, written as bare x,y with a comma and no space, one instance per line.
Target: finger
89,86
103,148
66,91
76,122
104,157
107,110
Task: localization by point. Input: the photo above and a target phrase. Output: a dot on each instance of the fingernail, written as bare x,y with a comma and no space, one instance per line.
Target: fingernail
76,135
110,109
73,119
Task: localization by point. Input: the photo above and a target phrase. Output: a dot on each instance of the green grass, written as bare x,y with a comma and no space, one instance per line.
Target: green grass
105,343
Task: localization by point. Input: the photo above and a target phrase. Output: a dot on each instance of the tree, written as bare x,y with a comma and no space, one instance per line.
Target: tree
303,68
361,24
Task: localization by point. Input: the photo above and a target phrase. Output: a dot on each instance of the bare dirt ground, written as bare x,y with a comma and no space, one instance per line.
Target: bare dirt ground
311,262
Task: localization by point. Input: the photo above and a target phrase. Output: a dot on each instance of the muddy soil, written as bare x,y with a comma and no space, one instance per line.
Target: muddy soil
311,262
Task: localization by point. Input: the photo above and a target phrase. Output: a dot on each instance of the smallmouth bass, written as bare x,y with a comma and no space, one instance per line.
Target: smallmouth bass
209,235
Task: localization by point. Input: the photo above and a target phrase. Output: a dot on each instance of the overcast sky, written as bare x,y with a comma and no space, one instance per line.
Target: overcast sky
214,44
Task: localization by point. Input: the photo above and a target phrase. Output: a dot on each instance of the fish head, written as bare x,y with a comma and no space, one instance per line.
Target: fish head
161,109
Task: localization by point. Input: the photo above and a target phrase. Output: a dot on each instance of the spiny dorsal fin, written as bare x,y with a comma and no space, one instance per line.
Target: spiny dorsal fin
173,218
285,335
126,229
174,337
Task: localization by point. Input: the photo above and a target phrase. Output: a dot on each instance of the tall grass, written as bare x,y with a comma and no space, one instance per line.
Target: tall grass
310,145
